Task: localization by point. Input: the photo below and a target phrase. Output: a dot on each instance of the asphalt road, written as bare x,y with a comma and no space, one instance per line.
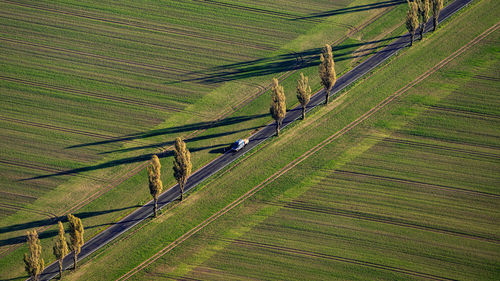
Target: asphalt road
172,194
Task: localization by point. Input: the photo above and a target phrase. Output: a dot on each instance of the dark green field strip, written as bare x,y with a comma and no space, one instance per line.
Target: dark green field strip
161,99
292,7
255,10
121,38
439,169
81,120
129,101
164,70
91,77
439,148
51,127
43,168
211,10
17,103
135,52
47,147
148,26
11,174
309,254
153,92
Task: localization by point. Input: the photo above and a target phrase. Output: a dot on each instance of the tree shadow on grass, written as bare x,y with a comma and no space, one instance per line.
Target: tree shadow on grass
174,130
169,143
49,222
278,64
144,157
360,8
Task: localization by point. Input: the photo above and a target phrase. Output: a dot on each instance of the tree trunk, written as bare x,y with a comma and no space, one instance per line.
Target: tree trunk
435,22
60,269
277,128
412,35
422,31
326,96
181,186
155,207
75,259
303,112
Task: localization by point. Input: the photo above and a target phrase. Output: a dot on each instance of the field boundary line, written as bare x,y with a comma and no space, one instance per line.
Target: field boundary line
308,153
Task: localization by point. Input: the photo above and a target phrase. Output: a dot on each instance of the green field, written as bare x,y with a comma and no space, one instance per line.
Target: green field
86,72
395,198
411,194
421,203
89,90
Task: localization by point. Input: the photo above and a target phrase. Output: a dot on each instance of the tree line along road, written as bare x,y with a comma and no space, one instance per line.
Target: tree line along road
219,163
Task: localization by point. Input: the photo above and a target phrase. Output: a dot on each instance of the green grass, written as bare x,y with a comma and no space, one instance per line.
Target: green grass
208,252
433,172
71,59
424,182
98,119
144,54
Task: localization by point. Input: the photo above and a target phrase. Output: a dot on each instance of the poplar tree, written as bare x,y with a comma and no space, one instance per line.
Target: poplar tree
76,235
155,184
327,70
412,20
182,164
278,104
33,260
437,5
303,93
60,248
424,8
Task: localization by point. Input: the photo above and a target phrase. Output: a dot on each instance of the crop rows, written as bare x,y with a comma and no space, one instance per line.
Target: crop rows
73,74
419,202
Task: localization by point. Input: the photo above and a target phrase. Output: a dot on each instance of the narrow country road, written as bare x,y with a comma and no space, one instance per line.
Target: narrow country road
217,164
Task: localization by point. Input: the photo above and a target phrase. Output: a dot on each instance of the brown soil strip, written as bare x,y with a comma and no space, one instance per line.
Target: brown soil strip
464,112
305,206
294,251
488,78
411,182
442,147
